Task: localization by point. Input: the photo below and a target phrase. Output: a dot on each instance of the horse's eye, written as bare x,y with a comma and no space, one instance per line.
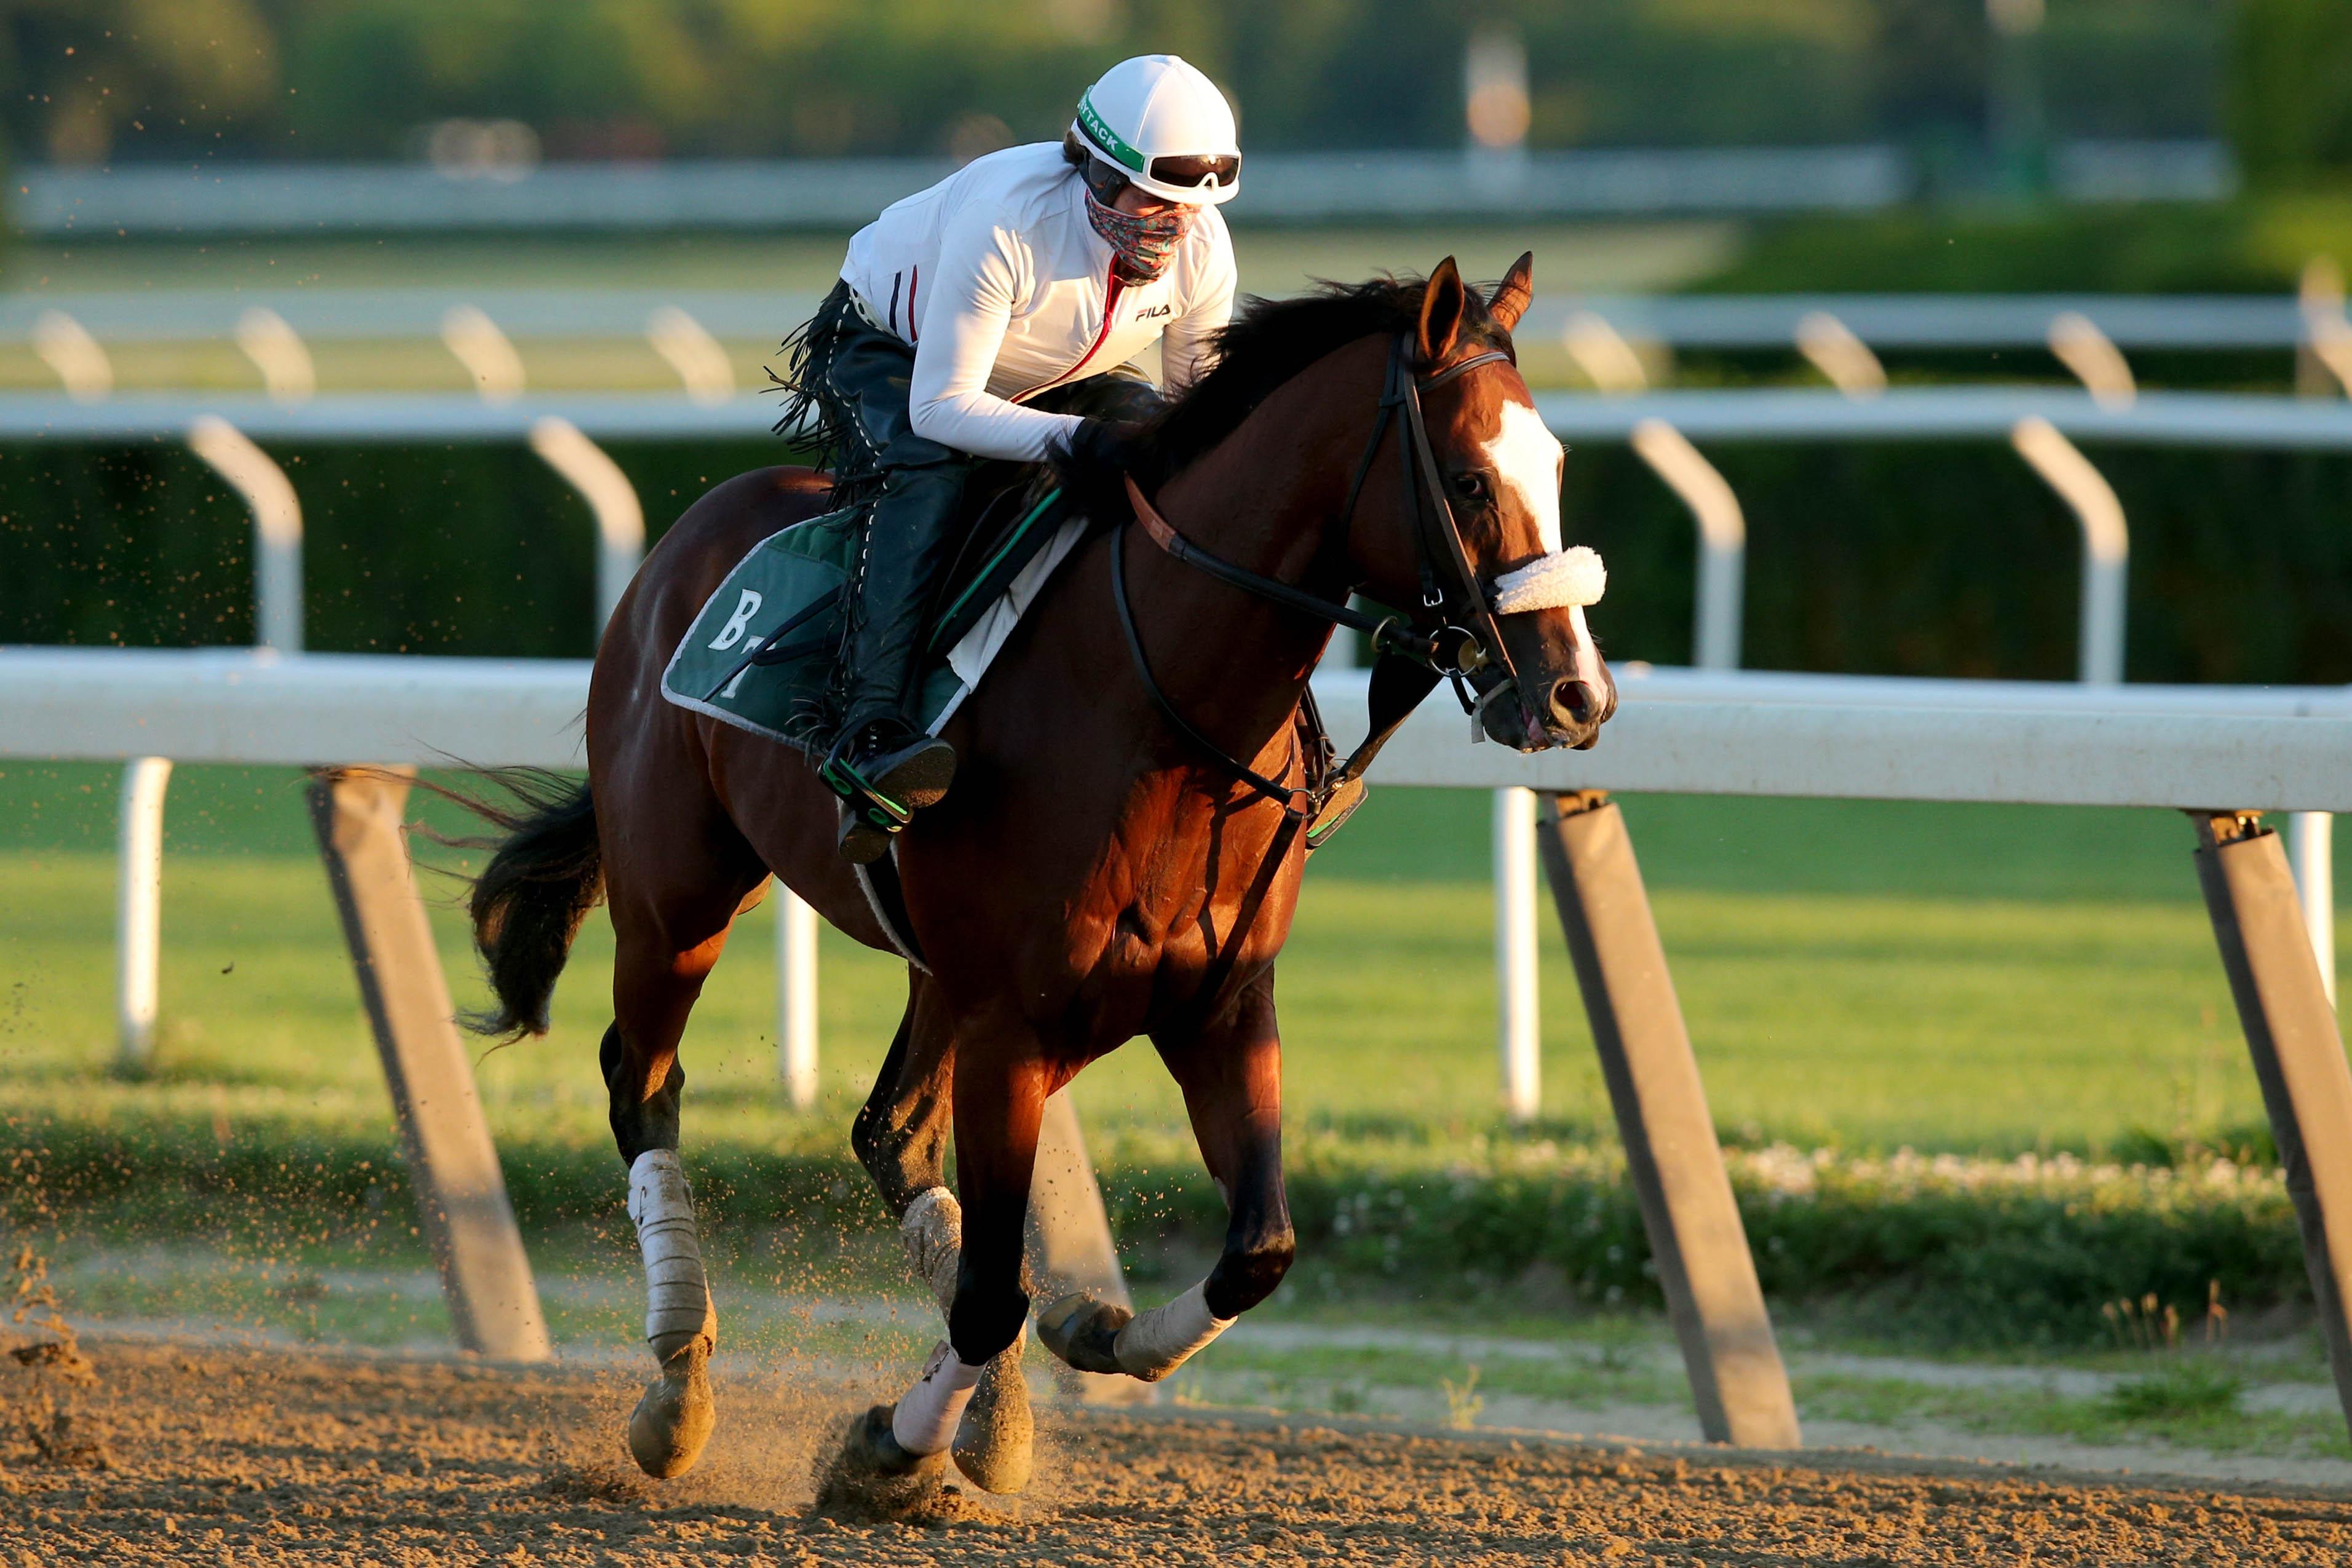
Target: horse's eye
1473,487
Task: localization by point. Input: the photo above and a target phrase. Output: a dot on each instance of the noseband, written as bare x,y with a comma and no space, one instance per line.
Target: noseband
1413,657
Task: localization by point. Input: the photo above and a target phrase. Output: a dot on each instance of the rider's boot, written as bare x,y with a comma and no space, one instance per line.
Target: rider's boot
884,766
887,769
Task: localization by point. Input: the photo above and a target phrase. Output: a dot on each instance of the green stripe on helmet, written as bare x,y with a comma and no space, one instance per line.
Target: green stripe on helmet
1107,139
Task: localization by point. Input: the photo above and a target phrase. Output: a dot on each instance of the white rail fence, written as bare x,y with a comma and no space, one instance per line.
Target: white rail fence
2190,323
1697,731
1659,427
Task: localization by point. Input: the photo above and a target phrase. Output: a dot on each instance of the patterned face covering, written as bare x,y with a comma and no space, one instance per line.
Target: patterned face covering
1144,244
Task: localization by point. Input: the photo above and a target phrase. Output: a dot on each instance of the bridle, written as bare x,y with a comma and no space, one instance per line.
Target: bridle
1412,656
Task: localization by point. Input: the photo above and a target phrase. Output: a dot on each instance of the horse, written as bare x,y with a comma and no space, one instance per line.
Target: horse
1121,852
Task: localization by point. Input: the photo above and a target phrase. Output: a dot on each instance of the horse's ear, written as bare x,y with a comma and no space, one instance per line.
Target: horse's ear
1512,294
1443,305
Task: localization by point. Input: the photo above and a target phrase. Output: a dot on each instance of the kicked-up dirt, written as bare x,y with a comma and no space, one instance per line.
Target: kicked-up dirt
258,1455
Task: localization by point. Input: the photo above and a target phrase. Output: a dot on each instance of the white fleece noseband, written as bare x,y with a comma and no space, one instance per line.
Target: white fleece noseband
1563,580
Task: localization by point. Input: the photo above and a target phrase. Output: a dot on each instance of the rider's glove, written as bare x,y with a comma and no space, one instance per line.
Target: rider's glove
1099,442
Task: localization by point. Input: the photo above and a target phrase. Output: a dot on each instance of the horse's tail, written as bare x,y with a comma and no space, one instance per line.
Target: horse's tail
545,876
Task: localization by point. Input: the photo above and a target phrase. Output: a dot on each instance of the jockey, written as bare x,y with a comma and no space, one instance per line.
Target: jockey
992,315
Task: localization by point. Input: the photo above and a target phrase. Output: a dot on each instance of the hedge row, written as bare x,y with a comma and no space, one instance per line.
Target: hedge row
2016,1251
1895,559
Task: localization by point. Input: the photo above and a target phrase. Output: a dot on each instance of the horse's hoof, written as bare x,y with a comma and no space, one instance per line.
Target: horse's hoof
674,1418
872,1474
992,1441
1084,1331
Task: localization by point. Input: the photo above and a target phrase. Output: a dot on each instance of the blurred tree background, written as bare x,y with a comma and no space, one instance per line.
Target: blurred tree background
90,82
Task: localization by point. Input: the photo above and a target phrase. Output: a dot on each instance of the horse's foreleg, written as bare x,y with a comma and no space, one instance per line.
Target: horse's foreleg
655,984
999,1100
1231,1073
900,1137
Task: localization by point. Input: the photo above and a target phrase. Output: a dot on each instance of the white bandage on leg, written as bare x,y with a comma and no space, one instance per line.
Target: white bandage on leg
931,1230
925,1419
1157,1342
677,1298
1569,577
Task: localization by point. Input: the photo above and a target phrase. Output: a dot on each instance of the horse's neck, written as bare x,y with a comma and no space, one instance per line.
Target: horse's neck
1267,498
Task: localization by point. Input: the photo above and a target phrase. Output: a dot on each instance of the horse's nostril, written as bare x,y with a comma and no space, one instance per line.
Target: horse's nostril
1575,702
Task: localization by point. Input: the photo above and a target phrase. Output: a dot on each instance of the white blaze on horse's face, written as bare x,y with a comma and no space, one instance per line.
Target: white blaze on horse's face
1528,457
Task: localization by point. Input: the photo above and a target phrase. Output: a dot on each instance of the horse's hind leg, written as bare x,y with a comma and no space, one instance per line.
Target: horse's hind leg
1231,1073
900,1137
666,949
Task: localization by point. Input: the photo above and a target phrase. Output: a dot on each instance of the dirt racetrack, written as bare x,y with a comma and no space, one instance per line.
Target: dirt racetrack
181,1454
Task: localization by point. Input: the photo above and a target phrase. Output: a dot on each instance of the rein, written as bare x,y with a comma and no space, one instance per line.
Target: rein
1409,660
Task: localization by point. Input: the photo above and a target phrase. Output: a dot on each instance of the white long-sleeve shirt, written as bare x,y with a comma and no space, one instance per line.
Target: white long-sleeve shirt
1003,289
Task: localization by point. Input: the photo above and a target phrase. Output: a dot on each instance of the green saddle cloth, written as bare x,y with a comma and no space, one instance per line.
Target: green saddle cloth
793,581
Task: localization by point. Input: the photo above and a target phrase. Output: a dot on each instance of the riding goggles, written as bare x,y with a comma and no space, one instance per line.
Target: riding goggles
1196,169
1191,170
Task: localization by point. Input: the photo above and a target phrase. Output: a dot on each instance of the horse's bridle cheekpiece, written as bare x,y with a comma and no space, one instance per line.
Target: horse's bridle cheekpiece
1410,656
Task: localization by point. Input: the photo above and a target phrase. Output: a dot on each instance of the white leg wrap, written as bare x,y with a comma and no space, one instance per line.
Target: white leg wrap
678,1297
931,1230
1157,1342
925,1419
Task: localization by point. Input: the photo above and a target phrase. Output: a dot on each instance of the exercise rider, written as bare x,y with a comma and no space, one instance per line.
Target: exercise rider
992,316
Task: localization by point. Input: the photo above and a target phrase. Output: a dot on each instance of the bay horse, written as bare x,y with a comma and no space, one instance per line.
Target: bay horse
1121,852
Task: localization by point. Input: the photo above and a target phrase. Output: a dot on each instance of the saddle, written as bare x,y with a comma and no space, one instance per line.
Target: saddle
763,652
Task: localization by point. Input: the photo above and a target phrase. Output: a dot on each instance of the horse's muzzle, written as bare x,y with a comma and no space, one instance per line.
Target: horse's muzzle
1578,711
1571,715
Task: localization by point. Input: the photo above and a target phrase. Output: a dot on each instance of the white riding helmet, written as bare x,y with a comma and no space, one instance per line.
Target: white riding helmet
1164,126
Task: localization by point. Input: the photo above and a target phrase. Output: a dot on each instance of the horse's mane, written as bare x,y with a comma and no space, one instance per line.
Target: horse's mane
1267,343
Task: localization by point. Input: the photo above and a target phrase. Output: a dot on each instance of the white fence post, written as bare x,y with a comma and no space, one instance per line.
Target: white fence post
66,346
1722,539
277,350
2311,855
485,352
693,352
2094,358
1834,349
796,997
2327,352
277,623
620,520
2107,544
1518,1021
276,528
1612,365
138,908
1723,554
